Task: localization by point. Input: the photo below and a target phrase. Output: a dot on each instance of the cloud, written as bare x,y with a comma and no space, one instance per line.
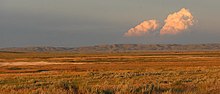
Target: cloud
177,22
141,29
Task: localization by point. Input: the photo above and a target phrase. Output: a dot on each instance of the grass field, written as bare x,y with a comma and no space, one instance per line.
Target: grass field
110,73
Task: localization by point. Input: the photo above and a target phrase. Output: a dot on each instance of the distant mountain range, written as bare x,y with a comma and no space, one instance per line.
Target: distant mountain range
120,48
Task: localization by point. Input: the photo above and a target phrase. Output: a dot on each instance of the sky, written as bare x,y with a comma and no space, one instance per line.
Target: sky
74,23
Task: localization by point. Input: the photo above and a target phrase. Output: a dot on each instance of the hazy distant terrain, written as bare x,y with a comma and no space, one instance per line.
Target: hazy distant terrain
120,48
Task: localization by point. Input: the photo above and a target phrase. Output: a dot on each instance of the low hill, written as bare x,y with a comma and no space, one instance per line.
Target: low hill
120,48
34,49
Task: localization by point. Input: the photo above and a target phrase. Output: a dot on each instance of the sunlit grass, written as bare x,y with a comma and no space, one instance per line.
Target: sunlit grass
116,73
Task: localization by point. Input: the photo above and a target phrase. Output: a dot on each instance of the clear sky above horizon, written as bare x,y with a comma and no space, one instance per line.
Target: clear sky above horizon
73,23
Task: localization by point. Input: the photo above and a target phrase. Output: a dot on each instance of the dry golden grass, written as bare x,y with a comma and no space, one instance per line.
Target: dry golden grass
111,73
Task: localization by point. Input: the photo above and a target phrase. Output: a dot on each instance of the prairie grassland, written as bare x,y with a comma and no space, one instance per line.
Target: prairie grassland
111,73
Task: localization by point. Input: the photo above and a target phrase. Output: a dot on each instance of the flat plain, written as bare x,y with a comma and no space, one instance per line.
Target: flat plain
159,72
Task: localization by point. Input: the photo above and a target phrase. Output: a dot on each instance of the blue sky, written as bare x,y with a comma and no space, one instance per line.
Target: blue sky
73,23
